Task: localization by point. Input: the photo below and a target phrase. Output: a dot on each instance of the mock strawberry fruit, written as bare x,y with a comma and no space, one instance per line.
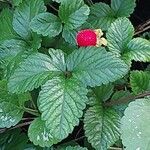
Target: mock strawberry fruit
86,37
89,37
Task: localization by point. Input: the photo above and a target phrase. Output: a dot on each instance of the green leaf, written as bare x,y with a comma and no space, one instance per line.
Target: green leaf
69,36
123,8
46,24
36,70
120,108
135,125
119,35
94,66
17,2
104,92
23,15
12,52
61,102
72,148
73,13
40,135
11,109
6,28
140,81
138,50
101,16
13,139
101,125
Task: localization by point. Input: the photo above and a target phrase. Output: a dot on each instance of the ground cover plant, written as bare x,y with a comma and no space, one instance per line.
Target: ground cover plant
68,79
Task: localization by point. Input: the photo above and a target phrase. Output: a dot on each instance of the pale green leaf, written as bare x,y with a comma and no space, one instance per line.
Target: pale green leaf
23,15
72,148
40,135
123,8
61,102
11,107
94,66
69,36
119,35
36,70
140,81
101,16
73,13
135,125
6,28
46,24
138,49
102,126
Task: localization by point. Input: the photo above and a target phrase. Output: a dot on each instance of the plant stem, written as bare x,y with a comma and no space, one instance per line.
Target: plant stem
126,99
53,7
17,126
144,27
33,104
31,111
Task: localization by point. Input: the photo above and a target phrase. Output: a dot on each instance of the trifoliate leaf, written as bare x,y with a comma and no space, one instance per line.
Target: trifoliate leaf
36,70
6,28
135,125
138,50
73,13
101,16
40,135
46,24
61,102
102,126
119,35
140,81
69,36
72,148
123,8
11,107
94,66
23,15
12,52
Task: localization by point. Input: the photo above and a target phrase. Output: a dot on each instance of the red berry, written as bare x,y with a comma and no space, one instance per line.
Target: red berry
86,37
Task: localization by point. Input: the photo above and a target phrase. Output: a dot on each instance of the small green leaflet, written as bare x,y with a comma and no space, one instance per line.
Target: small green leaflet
69,36
40,135
73,13
135,125
61,102
23,14
46,24
94,66
123,8
12,52
101,125
11,106
101,16
72,148
119,35
6,28
138,50
140,81
36,70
